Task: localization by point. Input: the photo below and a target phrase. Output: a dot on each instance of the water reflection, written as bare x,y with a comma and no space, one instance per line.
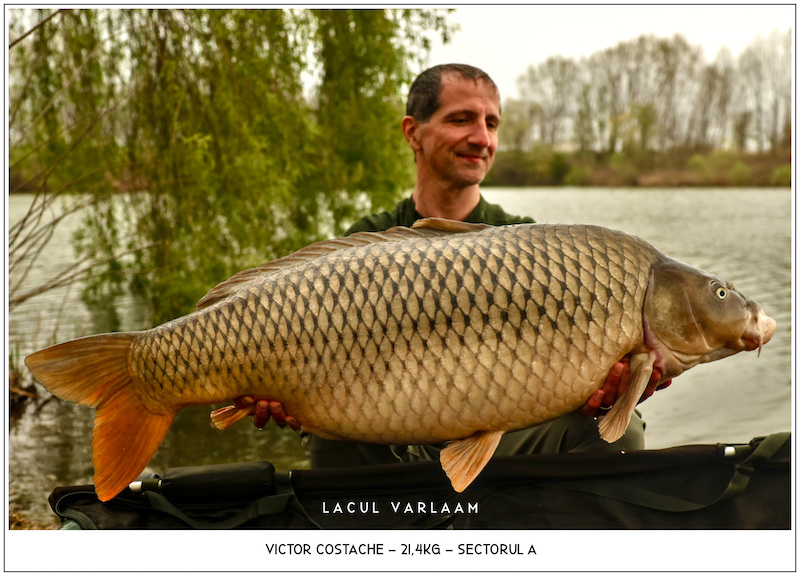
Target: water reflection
193,440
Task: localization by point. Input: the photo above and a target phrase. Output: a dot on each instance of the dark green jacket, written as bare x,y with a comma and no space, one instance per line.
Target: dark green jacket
405,214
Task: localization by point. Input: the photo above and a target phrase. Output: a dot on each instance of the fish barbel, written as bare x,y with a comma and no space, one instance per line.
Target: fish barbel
446,331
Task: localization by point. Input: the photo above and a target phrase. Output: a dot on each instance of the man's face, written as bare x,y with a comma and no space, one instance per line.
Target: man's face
457,144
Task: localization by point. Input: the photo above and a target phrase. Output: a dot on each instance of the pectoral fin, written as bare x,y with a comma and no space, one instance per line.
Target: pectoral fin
464,459
224,418
614,424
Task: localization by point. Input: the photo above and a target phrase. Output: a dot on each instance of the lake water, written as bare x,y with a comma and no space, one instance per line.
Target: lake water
743,235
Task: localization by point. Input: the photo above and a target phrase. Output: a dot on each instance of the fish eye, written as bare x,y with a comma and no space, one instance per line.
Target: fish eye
721,292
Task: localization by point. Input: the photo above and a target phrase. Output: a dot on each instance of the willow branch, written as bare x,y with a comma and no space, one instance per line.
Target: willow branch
52,101
37,26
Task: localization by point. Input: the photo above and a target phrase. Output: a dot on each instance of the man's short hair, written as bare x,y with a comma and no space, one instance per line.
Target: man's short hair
423,97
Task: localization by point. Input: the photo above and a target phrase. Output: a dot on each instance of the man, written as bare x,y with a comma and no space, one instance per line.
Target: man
451,124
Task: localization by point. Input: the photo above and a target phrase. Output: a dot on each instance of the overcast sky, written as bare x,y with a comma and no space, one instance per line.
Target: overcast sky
505,40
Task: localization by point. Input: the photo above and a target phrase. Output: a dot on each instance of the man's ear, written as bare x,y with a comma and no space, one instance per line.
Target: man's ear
410,127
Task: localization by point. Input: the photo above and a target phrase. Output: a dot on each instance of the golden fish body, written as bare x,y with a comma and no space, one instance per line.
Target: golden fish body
418,340
448,331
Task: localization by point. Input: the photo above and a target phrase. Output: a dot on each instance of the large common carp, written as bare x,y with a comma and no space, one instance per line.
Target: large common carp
443,332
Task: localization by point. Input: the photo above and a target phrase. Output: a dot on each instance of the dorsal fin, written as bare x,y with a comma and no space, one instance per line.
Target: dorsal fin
448,226
427,227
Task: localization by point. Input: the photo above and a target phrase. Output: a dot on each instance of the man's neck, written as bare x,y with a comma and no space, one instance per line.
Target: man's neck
454,204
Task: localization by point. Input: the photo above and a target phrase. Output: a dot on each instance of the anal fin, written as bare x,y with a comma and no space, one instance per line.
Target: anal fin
614,424
462,460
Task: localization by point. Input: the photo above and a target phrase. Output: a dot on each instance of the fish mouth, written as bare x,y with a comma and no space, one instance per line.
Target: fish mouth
759,332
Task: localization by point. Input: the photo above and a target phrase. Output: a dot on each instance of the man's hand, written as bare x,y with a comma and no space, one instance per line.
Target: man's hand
615,386
264,409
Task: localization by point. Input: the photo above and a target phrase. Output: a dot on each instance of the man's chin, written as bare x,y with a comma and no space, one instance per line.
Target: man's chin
474,175
468,182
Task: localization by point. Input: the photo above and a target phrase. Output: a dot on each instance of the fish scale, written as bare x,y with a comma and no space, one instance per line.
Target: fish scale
445,332
448,325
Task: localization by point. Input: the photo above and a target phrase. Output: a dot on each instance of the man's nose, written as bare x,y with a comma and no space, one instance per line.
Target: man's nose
480,135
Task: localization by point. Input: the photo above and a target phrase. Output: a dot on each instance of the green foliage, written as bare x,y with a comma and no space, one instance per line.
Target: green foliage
559,168
782,176
740,174
238,135
543,167
624,168
539,167
721,161
359,109
720,167
697,163
646,121
579,175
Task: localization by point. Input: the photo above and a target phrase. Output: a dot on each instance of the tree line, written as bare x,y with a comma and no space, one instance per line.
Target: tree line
657,94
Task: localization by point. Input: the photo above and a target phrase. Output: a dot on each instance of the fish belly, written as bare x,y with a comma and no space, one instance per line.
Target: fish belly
419,340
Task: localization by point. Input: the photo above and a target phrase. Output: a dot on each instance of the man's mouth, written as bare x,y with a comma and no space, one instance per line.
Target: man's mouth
475,158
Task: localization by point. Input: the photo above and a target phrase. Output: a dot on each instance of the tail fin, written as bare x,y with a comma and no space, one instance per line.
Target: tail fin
94,371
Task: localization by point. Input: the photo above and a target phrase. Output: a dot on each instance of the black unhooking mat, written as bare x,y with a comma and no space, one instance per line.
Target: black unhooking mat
702,486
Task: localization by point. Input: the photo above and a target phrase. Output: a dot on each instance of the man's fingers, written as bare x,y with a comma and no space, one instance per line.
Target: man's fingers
243,401
278,413
607,395
615,375
261,415
616,383
266,409
592,404
624,379
281,418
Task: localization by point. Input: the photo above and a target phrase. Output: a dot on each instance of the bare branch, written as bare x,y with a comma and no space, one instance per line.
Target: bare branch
49,170
37,26
18,104
73,273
